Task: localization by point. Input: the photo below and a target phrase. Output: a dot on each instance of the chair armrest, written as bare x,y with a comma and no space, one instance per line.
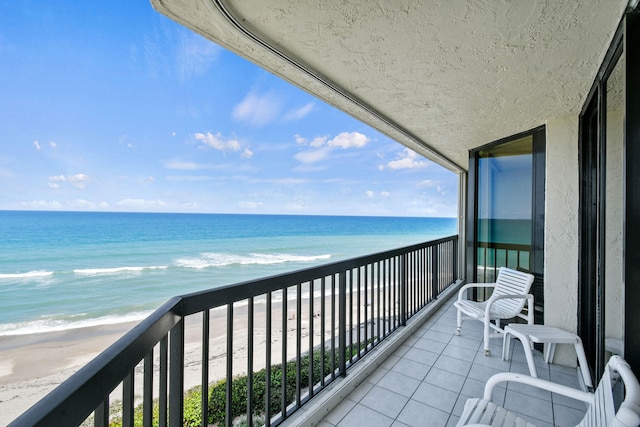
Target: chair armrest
536,382
474,285
494,298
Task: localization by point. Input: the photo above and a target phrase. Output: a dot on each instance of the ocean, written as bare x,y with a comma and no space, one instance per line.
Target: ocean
63,270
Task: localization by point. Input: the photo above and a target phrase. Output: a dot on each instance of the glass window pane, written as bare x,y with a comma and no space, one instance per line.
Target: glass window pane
505,185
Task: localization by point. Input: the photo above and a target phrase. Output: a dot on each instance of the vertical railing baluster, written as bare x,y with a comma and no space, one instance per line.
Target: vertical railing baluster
298,342
283,377
312,319
127,399
176,374
392,286
162,393
205,369
323,331
101,414
229,371
455,259
358,316
147,394
383,284
380,279
333,326
349,296
403,290
436,272
250,315
366,305
267,377
342,323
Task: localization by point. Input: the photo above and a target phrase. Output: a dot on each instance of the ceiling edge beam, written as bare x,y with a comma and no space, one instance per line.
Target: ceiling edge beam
223,9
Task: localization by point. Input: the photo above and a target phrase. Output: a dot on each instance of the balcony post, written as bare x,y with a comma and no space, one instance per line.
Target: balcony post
176,374
342,323
403,290
435,277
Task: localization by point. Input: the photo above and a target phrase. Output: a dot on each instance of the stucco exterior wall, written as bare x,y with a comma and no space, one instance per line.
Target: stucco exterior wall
561,231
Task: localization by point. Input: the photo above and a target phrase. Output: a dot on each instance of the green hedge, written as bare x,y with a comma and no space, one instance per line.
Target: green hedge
217,393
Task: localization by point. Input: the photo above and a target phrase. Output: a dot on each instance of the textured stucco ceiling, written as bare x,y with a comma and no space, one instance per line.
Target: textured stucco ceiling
439,76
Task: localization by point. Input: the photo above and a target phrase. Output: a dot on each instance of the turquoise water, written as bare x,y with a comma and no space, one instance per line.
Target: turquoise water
60,270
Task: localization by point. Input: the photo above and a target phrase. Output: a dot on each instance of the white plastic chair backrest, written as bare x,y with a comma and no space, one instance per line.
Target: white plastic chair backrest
602,411
511,282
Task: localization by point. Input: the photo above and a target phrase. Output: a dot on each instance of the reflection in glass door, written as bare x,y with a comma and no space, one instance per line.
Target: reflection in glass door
505,183
506,202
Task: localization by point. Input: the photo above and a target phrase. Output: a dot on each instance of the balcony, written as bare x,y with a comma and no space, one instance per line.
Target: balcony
431,374
367,340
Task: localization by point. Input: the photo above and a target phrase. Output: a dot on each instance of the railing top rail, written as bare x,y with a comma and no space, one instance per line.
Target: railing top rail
500,245
198,301
88,387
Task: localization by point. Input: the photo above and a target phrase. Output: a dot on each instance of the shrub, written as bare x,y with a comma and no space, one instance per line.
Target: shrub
218,392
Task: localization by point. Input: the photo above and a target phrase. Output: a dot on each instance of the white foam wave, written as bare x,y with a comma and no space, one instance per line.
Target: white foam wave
57,325
117,270
27,275
216,259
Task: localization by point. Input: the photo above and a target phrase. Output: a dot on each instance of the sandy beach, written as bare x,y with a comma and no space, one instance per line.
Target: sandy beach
33,365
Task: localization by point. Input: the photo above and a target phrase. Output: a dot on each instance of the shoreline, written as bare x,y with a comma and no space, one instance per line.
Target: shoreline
33,365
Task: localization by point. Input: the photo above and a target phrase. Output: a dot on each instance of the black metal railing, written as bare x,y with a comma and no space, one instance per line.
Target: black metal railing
261,348
492,255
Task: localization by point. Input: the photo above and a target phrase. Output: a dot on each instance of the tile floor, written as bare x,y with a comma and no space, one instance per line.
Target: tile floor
428,379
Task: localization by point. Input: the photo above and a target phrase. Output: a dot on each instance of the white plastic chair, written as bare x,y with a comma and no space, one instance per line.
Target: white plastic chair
510,294
601,411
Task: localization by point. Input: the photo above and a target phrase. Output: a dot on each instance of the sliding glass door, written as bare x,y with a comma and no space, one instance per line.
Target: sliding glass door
507,206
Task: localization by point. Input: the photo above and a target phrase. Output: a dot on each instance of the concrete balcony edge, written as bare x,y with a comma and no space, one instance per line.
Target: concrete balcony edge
321,405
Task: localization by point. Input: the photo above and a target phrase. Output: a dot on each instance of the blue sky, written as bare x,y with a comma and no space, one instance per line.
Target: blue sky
110,106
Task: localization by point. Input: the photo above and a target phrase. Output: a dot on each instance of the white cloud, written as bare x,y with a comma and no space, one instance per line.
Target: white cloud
250,205
349,140
318,141
189,178
322,145
81,204
42,204
372,194
194,55
312,156
53,144
217,141
408,160
427,183
140,203
37,145
184,166
295,206
257,110
247,153
78,180
298,113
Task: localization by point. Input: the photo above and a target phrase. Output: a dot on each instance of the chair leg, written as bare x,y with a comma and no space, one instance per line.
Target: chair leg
487,329
459,323
506,346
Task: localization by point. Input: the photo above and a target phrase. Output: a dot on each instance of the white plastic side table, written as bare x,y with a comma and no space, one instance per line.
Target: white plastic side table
529,334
